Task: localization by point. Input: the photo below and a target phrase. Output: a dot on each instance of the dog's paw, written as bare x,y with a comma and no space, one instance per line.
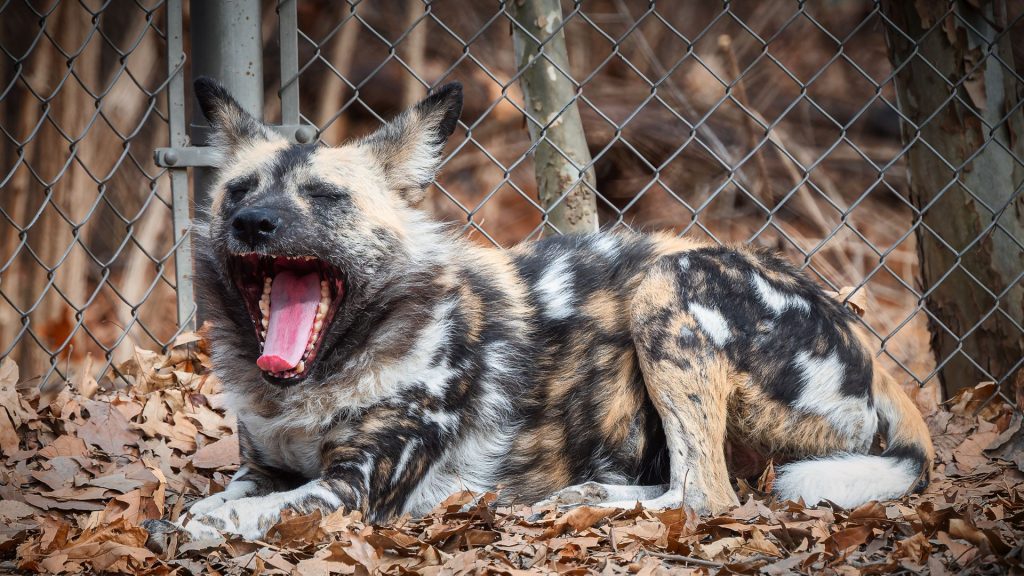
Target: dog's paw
249,518
202,528
587,493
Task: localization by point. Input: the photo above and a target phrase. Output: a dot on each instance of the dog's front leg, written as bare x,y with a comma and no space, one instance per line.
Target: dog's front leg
248,481
374,475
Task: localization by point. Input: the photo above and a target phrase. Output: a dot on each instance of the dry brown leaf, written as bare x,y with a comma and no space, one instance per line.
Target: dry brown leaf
65,446
579,518
143,368
294,528
850,537
722,547
10,441
46,503
915,549
1009,445
115,547
14,510
760,544
856,299
106,428
183,434
220,454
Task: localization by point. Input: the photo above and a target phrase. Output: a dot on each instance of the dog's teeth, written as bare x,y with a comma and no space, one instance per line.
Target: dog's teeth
265,322
263,334
301,366
317,325
321,308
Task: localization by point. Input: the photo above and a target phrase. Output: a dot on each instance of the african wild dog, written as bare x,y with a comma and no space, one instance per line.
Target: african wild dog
378,361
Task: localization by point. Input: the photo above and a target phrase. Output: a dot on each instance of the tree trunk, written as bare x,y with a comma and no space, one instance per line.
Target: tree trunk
565,179
963,132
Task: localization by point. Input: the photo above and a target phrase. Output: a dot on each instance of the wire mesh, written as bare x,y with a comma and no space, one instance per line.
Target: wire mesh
86,269
774,124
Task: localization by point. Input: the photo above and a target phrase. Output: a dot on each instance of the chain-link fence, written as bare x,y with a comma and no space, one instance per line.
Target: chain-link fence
87,258
876,144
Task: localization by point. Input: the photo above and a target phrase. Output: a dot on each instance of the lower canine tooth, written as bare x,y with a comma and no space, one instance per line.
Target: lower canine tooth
301,366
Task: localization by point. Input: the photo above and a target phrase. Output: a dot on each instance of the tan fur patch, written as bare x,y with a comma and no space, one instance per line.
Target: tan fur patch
666,244
911,429
777,428
351,168
606,310
659,291
620,401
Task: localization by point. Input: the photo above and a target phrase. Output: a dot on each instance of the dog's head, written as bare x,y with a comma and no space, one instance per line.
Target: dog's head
302,232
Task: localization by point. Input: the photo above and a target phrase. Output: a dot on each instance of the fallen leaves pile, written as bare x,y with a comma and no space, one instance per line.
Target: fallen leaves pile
84,465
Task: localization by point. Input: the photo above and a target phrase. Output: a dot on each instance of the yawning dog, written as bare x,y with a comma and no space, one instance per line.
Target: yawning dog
378,361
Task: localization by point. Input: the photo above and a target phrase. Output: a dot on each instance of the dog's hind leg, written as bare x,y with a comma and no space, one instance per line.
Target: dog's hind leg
689,380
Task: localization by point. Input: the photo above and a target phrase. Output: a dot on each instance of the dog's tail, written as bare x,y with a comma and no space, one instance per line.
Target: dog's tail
852,479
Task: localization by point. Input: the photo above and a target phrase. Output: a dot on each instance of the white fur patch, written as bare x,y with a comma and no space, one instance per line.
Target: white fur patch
555,287
822,378
403,460
777,301
286,442
606,245
366,469
234,490
447,421
712,323
847,479
671,498
473,463
416,366
246,515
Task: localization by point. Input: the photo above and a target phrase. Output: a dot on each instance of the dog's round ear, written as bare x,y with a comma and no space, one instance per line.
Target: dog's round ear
231,124
409,147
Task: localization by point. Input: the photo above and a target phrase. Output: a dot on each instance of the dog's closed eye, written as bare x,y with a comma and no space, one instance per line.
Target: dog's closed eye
323,190
239,187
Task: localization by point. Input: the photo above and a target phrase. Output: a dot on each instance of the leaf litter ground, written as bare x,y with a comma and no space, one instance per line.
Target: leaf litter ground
85,465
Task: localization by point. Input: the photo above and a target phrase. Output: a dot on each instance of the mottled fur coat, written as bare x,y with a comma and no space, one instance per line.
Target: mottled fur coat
378,362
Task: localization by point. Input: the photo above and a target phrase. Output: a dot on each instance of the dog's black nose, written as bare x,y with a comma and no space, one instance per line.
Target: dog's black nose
255,225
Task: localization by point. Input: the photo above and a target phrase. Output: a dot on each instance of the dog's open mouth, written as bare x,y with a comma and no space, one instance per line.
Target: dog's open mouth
292,302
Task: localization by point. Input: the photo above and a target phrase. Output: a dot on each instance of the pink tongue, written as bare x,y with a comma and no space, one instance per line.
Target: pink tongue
293,302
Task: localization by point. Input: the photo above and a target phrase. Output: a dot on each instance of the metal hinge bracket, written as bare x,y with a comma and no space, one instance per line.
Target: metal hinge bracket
208,157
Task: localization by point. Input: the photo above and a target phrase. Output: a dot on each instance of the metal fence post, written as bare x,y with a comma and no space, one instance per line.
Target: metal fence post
288,24
182,220
226,45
